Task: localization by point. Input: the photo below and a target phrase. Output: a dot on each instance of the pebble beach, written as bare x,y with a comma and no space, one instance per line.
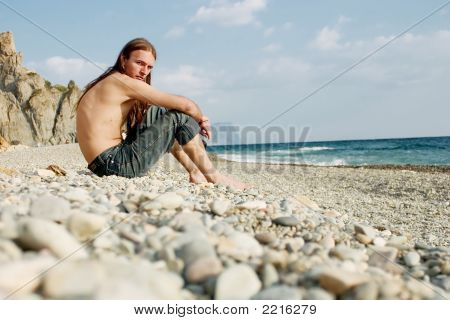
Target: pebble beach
299,232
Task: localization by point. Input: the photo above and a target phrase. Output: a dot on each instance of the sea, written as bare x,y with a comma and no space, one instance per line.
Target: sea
399,151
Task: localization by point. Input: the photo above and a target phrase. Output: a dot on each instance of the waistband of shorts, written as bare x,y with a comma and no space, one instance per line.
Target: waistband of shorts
97,162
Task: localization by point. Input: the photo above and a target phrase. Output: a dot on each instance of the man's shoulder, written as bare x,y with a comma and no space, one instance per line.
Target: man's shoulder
119,80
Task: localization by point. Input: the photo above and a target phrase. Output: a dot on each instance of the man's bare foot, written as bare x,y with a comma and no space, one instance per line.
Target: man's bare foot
197,177
232,182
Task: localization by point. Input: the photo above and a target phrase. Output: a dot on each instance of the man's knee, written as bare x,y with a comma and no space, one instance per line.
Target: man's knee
187,127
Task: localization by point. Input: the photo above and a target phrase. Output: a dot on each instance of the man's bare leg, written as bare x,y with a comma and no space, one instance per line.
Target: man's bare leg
195,175
197,153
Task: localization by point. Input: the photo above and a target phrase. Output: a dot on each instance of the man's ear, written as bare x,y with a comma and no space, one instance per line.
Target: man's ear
122,61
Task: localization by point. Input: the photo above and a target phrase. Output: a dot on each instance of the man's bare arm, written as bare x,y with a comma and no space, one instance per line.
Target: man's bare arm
136,89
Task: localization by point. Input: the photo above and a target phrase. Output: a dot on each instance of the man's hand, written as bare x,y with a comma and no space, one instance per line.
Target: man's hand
205,127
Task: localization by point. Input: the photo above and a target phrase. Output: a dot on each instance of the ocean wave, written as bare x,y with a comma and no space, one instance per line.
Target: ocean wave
307,149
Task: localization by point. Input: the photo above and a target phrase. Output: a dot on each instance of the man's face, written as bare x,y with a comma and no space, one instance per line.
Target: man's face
139,65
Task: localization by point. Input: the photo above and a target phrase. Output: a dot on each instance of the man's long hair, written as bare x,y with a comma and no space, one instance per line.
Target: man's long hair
136,113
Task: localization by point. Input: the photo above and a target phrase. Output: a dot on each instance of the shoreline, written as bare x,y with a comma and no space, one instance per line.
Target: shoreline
409,167
214,157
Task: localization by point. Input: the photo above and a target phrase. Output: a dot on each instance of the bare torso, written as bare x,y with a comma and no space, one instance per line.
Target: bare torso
100,117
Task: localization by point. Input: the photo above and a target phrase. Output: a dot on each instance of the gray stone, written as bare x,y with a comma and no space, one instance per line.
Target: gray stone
443,282
238,282
281,292
286,221
194,250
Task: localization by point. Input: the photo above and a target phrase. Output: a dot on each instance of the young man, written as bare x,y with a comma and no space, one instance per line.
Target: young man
172,124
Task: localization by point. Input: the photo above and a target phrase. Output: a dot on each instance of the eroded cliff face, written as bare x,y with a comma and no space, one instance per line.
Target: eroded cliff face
32,111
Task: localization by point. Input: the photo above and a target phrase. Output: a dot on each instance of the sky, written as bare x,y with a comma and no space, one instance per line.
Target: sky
244,62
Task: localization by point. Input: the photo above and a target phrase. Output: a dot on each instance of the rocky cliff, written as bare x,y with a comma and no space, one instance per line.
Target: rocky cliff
32,111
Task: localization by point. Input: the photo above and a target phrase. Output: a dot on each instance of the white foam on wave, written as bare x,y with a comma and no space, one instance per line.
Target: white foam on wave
256,159
281,151
306,149
334,162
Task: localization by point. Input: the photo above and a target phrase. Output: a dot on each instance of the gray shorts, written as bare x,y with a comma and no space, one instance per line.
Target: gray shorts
146,143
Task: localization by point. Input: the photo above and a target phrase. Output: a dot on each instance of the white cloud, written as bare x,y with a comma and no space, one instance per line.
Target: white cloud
230,13
284,66
272,48
410,59
175,32
327,39
186,80
61,70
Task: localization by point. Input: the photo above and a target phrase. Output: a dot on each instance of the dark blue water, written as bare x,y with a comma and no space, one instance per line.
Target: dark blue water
415,151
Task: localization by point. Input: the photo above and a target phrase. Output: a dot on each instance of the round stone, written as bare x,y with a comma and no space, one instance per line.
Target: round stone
85,226
412,259
203,268
238,282
50,207
265,237
43,234
219,207
287,221
170,200
282,292
252,205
